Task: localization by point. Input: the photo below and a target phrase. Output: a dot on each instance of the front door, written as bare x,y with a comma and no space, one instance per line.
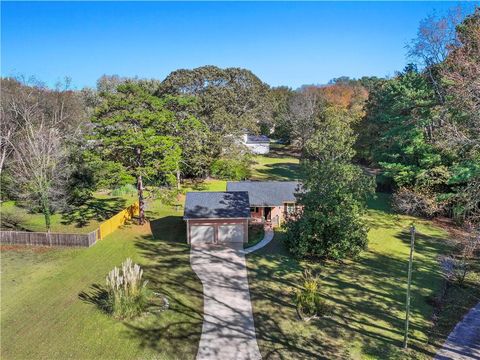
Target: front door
268,213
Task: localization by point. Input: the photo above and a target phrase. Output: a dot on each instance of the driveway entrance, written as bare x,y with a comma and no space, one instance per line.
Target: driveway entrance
228,329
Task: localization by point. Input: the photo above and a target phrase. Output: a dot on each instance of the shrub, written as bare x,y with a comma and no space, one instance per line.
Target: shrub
127,189
308,299
230,169
411,202
127,293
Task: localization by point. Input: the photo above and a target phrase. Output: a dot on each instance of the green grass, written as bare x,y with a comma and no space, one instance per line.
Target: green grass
80,219
368,295
207,185
49,297
279,164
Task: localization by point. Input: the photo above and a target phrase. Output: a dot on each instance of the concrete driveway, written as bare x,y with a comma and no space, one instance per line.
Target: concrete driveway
228,329
463,343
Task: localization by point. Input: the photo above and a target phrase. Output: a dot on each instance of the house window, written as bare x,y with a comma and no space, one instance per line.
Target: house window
289,208
254,209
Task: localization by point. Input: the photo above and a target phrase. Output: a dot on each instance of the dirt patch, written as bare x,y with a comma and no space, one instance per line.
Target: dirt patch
22,248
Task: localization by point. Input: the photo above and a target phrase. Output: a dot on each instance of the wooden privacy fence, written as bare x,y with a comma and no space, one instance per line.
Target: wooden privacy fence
47,239
73,240
112,224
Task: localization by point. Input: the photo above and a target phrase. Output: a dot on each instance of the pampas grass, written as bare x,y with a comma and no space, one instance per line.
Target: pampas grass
127,293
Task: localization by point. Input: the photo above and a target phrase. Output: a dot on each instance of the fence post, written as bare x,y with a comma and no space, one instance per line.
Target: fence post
410,261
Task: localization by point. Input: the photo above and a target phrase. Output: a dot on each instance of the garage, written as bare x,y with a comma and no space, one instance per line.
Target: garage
217,217
230,233
202,233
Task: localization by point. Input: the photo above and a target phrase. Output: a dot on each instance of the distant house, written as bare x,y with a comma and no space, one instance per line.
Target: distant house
223,217
258,144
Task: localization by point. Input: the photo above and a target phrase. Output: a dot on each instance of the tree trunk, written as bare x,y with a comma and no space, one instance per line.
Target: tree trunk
46,212
178,179
141,202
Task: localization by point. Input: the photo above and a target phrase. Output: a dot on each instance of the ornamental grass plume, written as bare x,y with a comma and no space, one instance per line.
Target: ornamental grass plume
128,294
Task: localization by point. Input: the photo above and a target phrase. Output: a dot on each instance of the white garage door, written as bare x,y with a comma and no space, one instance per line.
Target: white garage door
201,233
230,233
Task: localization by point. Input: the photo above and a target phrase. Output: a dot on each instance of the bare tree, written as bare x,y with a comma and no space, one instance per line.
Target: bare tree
38,125
435,38
40,167
304,109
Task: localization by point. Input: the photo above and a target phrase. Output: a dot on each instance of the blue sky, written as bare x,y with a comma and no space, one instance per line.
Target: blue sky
283,43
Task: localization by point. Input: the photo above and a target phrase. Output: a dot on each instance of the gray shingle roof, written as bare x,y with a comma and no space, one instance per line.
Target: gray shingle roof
253,139
216,205
266,193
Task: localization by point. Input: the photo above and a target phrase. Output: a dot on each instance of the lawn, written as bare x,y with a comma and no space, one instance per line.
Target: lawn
49,306
279,164
80,219
368,295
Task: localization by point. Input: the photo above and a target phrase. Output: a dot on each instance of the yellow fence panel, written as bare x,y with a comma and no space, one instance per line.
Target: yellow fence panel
112,224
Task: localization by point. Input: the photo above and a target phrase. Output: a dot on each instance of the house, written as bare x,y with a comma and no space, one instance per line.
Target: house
217,217
223,216
258,144
270,201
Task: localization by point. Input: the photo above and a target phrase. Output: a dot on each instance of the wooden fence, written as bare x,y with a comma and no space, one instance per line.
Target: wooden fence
47,239
112,224
73,240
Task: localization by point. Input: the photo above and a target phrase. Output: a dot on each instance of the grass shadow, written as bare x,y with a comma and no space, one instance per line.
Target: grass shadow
280,171
168,272
93,209
97,295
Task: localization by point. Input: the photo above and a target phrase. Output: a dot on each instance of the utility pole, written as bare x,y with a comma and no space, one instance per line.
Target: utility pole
410,262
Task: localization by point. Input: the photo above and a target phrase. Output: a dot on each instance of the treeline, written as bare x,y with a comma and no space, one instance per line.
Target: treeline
420,129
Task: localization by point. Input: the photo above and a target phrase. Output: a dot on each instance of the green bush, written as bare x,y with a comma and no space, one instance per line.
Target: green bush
127,189
230,169
308,299
127,293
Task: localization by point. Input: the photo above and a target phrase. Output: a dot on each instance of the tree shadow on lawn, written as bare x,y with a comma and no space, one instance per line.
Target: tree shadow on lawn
279,171
93,209
168,272
369,298
174,332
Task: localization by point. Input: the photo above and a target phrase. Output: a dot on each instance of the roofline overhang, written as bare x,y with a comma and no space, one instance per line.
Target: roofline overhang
236,218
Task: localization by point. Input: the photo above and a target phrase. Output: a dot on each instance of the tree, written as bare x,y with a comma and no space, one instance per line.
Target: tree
40,168
229,101
132,129
281,97
304,107
29,110
333,195
435,38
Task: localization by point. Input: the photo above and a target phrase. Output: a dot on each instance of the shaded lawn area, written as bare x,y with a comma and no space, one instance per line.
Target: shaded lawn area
368,295
206,185
268,167
49,297
78,219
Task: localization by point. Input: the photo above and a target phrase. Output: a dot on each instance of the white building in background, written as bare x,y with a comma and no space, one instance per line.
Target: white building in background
258,144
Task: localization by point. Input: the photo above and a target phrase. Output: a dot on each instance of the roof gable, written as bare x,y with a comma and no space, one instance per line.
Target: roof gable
267,193
216,205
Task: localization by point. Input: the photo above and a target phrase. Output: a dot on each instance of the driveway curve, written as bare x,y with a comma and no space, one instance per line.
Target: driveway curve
228,329
464,341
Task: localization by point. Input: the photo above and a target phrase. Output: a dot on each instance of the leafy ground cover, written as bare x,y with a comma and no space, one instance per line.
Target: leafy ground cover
255,234
368,295
79,219
50,297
